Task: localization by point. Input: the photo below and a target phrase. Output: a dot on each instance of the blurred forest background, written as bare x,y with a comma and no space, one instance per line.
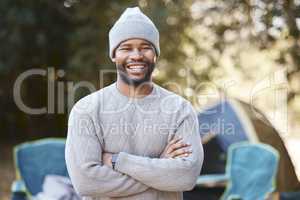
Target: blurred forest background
209,47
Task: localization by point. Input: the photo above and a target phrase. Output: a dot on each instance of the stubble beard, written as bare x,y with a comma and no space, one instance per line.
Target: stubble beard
121,68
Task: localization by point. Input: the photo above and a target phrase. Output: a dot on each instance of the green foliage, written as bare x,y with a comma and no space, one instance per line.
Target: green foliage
195,35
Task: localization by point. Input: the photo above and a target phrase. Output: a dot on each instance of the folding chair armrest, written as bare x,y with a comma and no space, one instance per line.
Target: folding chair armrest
212,180
18,190
18,186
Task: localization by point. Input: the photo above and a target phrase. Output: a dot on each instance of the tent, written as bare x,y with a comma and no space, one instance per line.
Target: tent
230,121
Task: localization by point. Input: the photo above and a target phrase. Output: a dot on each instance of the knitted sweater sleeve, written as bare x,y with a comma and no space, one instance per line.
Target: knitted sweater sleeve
83,158
179,174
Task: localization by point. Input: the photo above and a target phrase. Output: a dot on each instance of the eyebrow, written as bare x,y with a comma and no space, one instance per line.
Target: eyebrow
123,45
144,43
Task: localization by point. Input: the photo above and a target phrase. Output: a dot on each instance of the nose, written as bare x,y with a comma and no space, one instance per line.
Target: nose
136,55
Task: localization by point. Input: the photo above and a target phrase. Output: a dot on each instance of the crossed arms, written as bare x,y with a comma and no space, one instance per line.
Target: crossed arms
93,177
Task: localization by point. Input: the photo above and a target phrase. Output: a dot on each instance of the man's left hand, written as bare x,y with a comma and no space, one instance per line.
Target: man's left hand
106,159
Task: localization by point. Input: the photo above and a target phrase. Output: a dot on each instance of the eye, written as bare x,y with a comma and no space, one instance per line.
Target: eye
146,48
124,49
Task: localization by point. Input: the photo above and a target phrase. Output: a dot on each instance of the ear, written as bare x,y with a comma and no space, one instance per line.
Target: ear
113,56
155,58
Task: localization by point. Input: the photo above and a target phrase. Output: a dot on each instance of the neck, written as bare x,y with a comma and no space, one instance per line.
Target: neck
135,91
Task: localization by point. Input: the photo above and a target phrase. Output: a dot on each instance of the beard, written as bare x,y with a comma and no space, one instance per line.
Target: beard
125,77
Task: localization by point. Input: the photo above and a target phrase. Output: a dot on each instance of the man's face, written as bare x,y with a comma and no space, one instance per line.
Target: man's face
135,61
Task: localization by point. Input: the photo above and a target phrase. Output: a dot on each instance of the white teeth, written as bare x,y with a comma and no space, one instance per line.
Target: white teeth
136,67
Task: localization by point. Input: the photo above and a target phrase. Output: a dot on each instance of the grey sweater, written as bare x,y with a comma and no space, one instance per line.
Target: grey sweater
139,130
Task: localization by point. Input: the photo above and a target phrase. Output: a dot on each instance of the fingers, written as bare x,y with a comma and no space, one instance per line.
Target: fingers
173,141
106,156
182,152
183,155
176,148
178,145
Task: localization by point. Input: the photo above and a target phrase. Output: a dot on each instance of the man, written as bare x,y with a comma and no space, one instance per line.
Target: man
133,139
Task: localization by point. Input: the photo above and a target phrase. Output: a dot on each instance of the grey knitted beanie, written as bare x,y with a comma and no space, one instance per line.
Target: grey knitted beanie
133,24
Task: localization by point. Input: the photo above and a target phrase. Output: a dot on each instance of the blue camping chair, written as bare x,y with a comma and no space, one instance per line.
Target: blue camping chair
33,161
250,171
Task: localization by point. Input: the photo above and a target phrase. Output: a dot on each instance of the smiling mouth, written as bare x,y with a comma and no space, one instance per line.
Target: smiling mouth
136,67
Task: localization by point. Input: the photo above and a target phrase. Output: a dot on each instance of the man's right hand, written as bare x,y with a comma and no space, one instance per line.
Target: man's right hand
176,148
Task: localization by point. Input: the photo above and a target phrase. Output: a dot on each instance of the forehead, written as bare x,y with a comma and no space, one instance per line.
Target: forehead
134,42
